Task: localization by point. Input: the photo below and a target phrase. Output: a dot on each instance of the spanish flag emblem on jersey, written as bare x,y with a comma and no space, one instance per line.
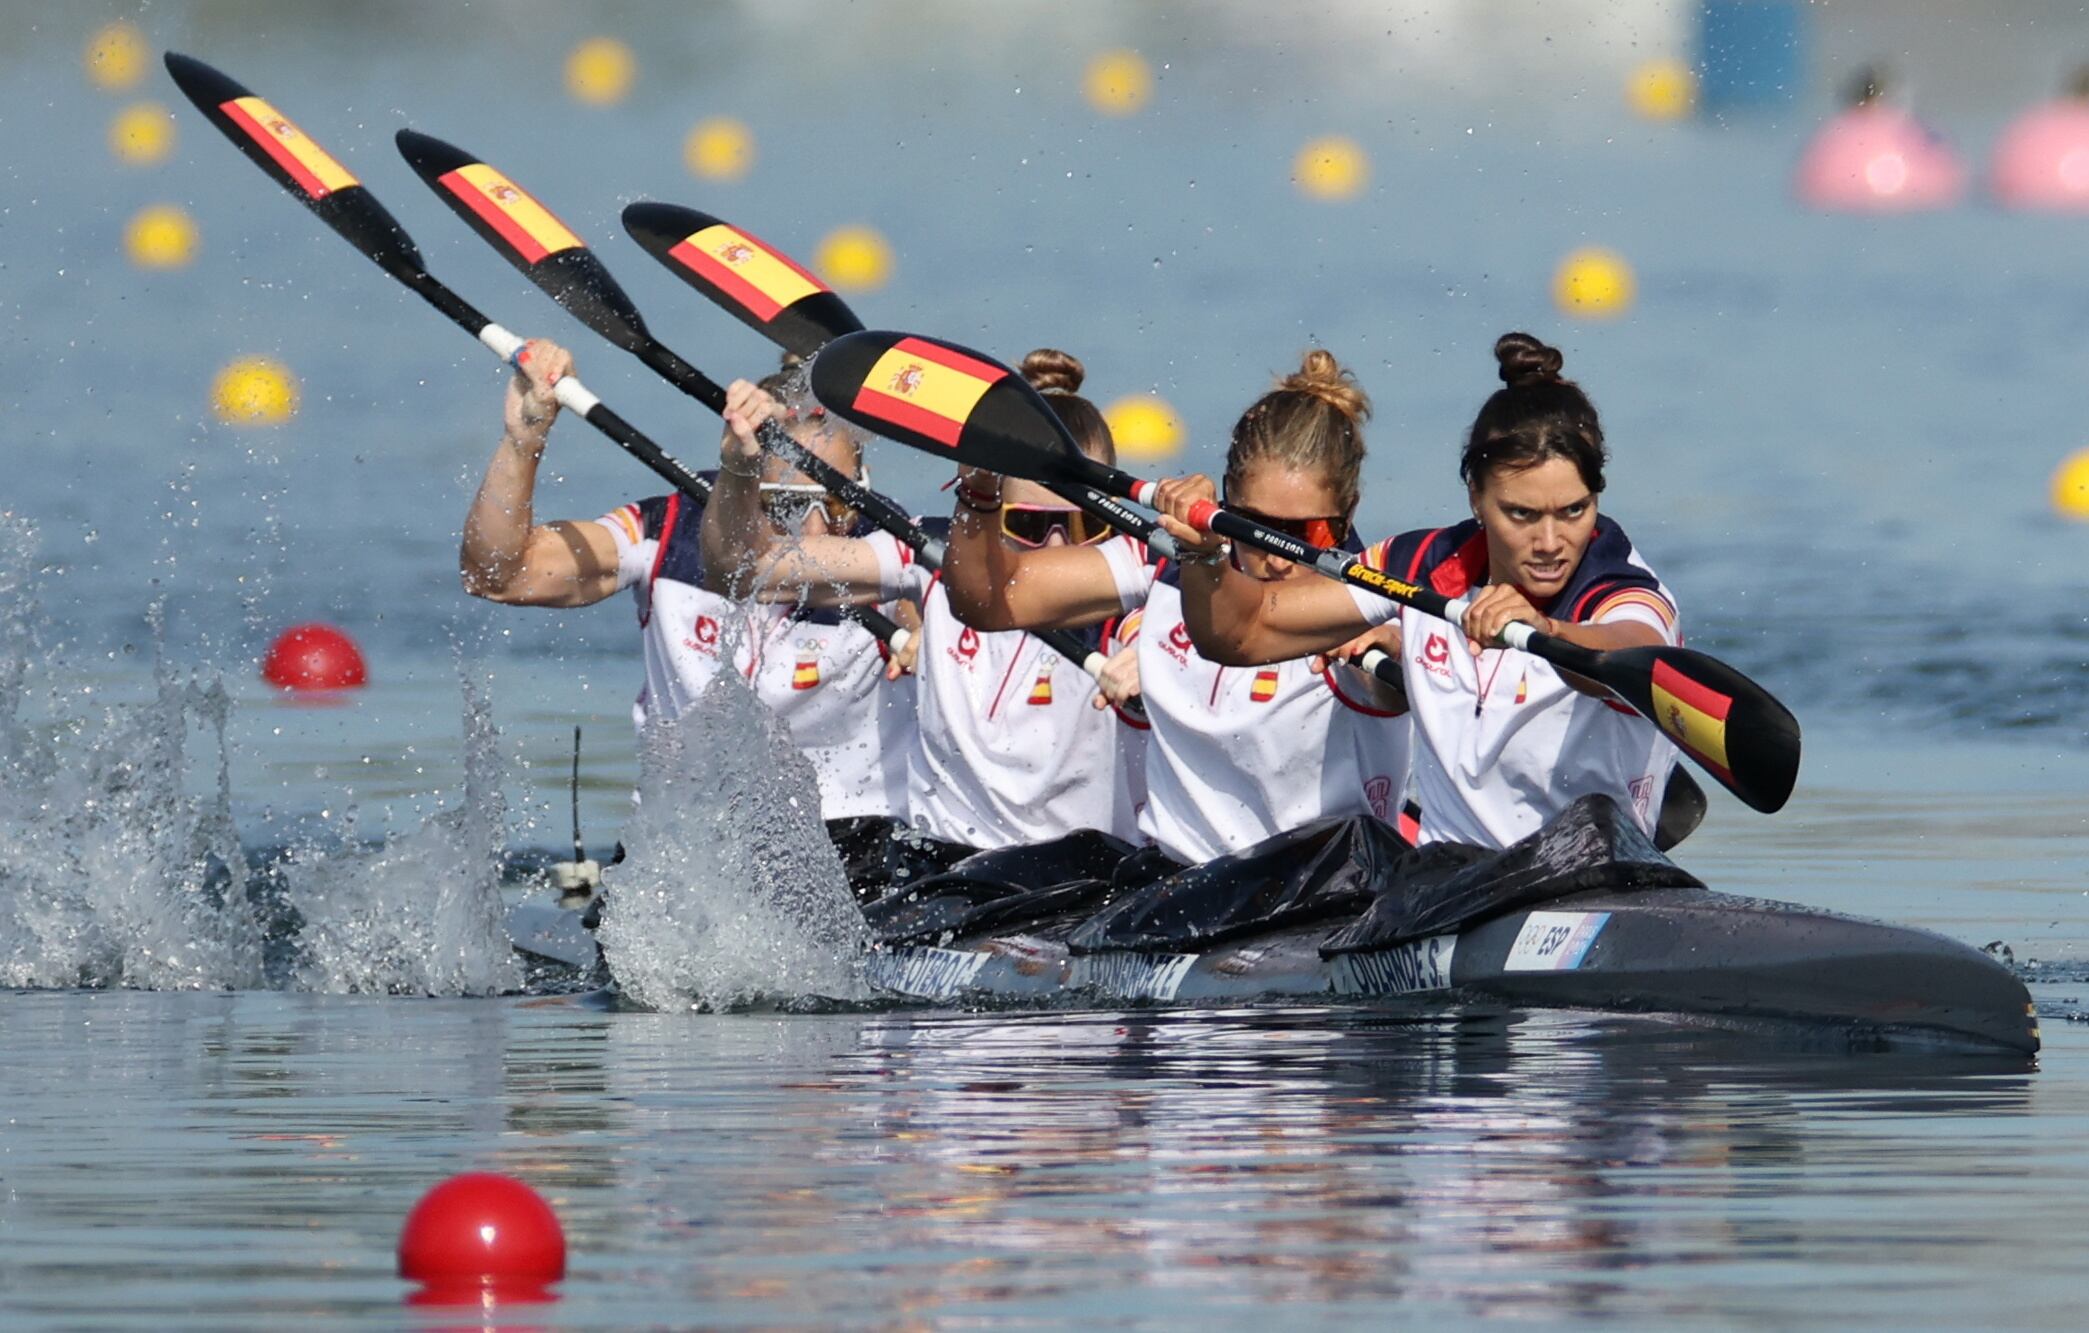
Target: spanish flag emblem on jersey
512,212
1264,687
1041,688
806,675
743,268
1693,715
311,166
926,389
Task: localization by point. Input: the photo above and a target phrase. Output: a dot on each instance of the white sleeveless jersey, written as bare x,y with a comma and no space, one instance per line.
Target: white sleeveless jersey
1008,748
1503,742
822,675
1239,754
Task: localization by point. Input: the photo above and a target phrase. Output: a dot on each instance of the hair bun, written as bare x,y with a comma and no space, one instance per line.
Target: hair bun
1524,360
1321,376
1050,370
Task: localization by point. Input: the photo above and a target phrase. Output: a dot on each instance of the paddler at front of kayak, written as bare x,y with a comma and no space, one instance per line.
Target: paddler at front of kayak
1011,750
1503,740
825,677
1233,757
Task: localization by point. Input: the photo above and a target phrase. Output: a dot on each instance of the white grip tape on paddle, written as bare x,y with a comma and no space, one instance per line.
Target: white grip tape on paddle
572,393
1516,634
1371,659
897,644
1094,663
501,342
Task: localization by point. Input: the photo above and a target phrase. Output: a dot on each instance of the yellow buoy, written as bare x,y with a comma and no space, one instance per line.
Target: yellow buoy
160,236
254,391
1144,426
719,149
600,71
1593,283
856,258
142,134
2071,486
1662,90
1331,168
116,56
1118,82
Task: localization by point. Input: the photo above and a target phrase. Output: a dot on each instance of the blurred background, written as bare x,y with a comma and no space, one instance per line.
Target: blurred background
1838,348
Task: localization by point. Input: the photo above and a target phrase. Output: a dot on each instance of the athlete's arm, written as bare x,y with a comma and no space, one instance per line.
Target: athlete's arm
993,585
744,554
506,556
1237,620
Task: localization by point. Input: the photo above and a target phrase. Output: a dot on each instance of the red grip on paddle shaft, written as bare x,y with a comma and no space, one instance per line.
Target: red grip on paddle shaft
1201,514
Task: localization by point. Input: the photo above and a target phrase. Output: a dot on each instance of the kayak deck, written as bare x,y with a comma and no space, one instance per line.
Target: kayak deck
1686,951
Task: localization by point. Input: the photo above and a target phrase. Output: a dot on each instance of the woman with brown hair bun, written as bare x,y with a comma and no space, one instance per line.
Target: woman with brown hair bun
1233,757
1503,740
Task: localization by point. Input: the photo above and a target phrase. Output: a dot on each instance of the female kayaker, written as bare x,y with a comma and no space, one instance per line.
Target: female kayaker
1503,741
825,677
1011,749
1233,757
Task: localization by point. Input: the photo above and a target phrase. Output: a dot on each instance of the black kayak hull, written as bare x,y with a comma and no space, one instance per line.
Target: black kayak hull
1681,951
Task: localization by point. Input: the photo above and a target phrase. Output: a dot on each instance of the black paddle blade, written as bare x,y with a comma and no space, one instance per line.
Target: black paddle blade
297,162
950,401
1683,808
763,287
1734,728
512,221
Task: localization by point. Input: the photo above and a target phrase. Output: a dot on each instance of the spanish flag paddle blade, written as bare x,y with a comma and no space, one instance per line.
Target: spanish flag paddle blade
514,222
1732,727
953,402
281,148
760,285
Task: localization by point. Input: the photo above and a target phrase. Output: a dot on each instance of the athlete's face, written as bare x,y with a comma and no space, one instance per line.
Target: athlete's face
821,513
1538,521
1277,490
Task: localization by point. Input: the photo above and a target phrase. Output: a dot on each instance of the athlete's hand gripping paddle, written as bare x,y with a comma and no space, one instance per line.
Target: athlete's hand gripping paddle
951,401
780,299
319,181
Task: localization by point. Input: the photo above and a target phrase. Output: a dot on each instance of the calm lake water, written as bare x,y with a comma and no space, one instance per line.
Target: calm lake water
1833,436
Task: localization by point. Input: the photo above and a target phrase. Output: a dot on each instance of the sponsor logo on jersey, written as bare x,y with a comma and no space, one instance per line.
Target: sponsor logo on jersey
1264,687
1177,645
967,648
1435,657
703,636
1642,789
1378,794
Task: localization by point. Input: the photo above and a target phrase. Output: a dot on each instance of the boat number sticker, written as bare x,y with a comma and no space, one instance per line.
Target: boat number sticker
1554,941
931,974
1404,969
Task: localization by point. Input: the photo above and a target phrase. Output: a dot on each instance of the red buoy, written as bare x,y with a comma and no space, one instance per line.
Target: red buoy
483,1232
313,657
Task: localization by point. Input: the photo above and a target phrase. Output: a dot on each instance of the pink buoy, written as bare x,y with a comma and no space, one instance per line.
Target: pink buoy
482,1234
2042,159
314,657
1877,158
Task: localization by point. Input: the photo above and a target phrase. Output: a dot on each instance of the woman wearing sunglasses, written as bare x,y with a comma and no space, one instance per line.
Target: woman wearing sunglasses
825,677
1234,757
1011,748
1503,741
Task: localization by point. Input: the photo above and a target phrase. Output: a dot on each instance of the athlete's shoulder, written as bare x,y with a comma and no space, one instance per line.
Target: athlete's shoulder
1449,559
1613,575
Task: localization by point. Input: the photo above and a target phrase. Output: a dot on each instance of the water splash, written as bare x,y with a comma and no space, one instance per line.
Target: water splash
111,872
729,892
420,914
